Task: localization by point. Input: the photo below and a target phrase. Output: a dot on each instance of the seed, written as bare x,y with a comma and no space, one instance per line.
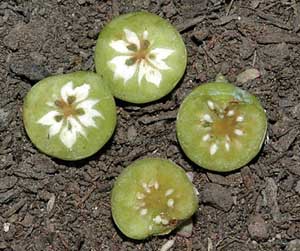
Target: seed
152,56
140,196
156,185
206,137
132,47
213,149
207,118
71,99
170,203
230,113
238,132
169,192
147,189
58,118
145,44
157,219
240,119
227,146
164,222
144,211
130,61
50,103
211,105
151,184
80,111
227,137
59,103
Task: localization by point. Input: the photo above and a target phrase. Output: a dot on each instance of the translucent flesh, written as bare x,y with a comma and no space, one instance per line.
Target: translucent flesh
161,35
35,106
248,118
126,207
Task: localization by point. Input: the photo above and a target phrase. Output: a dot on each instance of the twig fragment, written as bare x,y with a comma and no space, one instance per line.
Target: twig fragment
229,7
190,23
115,8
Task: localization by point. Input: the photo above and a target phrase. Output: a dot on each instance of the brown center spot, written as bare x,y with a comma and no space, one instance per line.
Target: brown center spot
68,108
226,120
224,126
160,201
140,54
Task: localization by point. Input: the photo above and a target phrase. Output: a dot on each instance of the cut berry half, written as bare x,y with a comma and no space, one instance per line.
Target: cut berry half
221,127
152,197
141,56
69,116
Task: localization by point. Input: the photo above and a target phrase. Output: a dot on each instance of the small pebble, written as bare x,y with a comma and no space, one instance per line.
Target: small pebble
29,70
217,196
297,187
81,2
248,75
4,118
296,111
186,230
6,226
7,182
257,228
51,203
294,245
167,245
270,198
200,35
131,133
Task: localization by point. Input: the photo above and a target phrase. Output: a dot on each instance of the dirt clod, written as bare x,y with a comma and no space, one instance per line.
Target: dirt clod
257,228
217,196
294,245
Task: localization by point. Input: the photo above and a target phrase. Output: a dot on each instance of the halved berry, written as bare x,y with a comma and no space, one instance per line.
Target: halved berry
152,197
220,126
69,116
141,56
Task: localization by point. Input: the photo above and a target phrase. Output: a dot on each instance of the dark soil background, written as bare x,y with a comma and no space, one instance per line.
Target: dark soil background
52,205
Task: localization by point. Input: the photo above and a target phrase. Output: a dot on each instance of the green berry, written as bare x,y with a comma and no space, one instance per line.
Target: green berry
152,197
221,127
141,56
69,116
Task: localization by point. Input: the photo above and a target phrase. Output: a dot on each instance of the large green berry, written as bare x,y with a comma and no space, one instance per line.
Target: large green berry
141,56
152,197
220,126
69,116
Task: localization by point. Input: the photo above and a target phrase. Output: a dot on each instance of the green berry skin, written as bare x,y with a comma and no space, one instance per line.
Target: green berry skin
45,96
152,196
221,127
161,35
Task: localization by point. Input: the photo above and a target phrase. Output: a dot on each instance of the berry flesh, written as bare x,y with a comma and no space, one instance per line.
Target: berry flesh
69,116
221,127
141,56
152,197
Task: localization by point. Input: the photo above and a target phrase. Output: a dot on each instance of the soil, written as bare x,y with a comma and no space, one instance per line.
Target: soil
52,205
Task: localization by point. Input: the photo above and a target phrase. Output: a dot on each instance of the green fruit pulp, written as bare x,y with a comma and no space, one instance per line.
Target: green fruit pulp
142,192
161,34
48,90
220,127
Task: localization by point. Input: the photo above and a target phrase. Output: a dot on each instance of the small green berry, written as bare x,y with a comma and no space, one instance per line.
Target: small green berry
152,196
141,56
69,116
221,127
